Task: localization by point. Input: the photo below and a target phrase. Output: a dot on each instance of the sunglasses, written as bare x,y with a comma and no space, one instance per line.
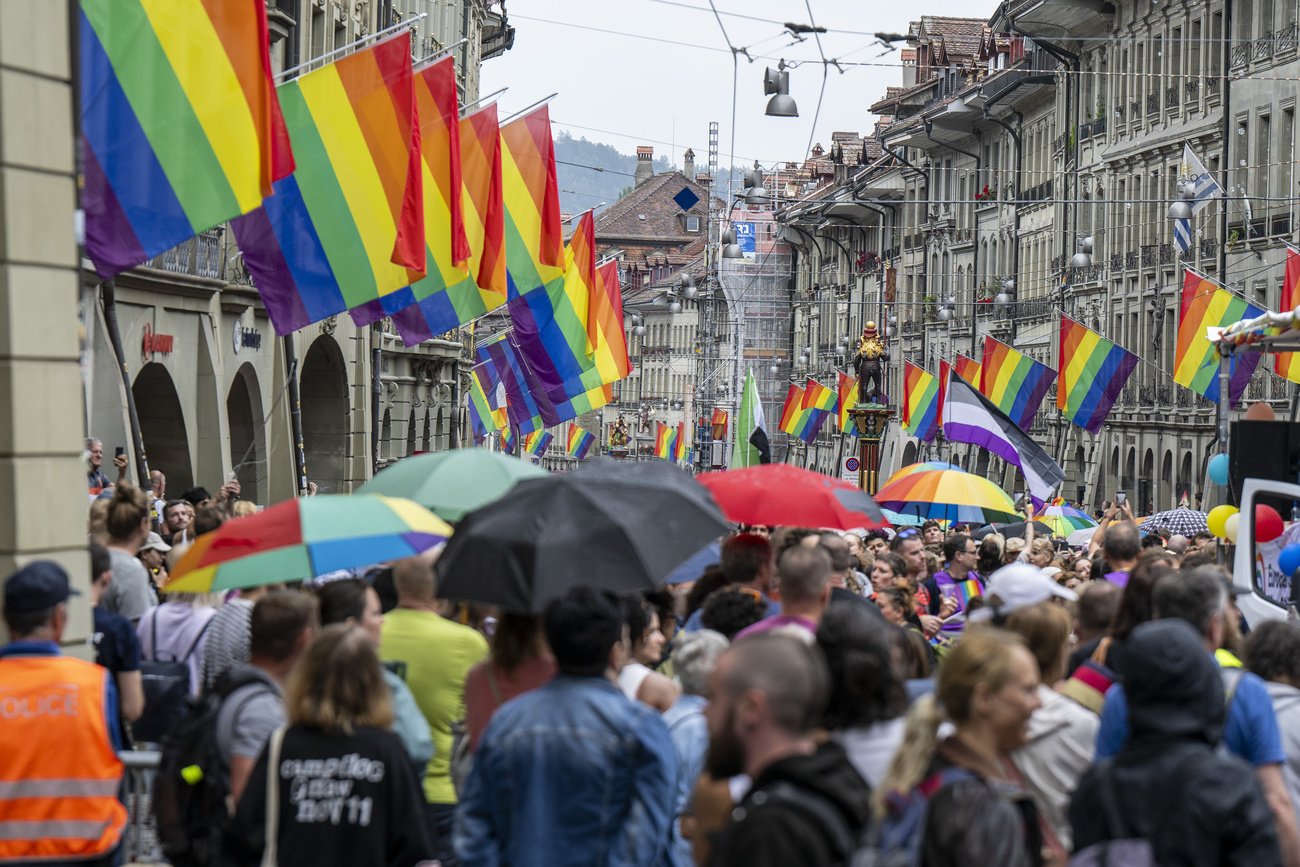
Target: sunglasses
908,533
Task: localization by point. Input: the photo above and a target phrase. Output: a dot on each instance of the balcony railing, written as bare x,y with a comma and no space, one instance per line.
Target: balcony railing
1240,53
1171,96
1263,47
1120,114
1166,254
1162,396
1135,110
1281,224
200,256
1193,87
1153,103
1286,40
1131,260
1116,261
1148,255
1209,247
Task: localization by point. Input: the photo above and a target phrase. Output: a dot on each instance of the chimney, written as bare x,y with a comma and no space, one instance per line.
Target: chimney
645,156
688,163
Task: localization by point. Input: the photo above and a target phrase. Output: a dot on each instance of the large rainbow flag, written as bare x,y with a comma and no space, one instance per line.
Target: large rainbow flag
1196,361
797,421
663,440
679,443
920,402
448,295
1287,364
347,226
1013,381
820,399
848,398
579,442
181,126
1093,370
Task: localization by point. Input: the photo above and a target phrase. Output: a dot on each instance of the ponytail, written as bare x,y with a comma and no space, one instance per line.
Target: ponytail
910,763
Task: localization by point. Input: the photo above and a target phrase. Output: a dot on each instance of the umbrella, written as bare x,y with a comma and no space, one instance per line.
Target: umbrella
1183,522
615,525
1012,530
1080,538
694,567
922,467
298,539
902,520
781,494
1064,520
947,494
454,482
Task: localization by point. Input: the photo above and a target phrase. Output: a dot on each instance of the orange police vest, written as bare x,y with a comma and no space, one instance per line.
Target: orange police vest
59,775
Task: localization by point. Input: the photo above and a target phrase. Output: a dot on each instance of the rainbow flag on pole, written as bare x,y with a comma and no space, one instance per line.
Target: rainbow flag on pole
663,440
968,369
797,421
1093,370
1287,364
820,399
181,125
848,398
579,442
1013,381
487,410
679,443
1196,361
537,442
920,402
347,226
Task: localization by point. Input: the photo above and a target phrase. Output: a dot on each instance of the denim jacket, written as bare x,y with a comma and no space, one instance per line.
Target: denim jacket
690,734
572,772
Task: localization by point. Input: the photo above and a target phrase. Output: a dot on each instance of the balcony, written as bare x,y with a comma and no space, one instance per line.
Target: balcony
200,256
1153,103
1131,260
1040,193
1166,254
1193,88
1209,247
1285,42
1148,255
1171,96
1263,48
1281,224
1120,114
1116,261
1135,111
1240,54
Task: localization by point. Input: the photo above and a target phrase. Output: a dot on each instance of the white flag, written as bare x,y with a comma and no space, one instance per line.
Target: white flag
1203,182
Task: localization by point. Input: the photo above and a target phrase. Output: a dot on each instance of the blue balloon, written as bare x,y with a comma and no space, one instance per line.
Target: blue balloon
1289,560
1219,469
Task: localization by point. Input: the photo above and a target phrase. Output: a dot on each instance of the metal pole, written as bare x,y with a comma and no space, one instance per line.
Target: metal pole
352,46
376,390
115,337
295,416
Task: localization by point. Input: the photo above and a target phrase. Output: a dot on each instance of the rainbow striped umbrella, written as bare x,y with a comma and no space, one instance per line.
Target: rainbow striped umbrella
299,539
947,495
922,467
1064,520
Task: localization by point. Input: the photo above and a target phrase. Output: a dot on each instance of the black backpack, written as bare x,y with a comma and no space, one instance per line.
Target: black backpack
166,685
189,797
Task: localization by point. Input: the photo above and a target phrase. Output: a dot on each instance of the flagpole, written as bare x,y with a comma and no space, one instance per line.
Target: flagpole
426,62
377,36
465,107
529,108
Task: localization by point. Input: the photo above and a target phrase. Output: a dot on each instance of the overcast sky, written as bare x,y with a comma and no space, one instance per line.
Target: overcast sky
618,85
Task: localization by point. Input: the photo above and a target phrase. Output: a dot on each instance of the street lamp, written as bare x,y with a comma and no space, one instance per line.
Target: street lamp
730,249
1083,255
777,81
1181,209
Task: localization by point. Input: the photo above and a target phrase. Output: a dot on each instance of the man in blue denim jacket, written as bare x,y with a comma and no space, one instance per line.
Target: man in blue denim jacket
572,772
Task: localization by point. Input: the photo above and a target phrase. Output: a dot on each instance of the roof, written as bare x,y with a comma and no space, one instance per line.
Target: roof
654,199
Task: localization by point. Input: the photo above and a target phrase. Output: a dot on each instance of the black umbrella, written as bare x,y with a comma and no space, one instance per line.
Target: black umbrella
1013,530
614,525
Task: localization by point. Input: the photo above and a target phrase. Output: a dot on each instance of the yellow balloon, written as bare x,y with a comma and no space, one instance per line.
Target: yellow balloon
1230,528
1218,517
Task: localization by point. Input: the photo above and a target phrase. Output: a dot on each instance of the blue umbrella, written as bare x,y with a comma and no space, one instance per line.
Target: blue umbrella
694,566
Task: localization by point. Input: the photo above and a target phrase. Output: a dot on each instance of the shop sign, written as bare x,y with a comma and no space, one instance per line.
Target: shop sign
152,343
245,338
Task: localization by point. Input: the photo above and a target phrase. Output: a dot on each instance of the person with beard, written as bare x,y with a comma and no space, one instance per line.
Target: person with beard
767,694
574,771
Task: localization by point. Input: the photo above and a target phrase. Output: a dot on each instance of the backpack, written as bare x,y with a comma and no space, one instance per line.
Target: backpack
191,789
166,685
1121,850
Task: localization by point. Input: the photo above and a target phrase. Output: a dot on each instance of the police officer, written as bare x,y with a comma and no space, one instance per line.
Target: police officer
59,770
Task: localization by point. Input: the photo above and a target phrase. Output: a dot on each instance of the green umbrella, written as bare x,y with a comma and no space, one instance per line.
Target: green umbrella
452,483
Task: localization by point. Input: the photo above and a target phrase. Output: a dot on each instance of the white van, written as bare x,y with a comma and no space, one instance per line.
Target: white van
1266,591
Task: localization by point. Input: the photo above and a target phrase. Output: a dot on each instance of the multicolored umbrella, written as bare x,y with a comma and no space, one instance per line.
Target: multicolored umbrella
948,495
1064,520
924,466
299,539
1181,522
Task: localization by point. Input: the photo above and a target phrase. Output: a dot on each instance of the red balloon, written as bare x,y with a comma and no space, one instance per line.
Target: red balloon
1268,523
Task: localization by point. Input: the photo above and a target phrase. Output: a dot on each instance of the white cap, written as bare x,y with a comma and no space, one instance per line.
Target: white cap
1019,585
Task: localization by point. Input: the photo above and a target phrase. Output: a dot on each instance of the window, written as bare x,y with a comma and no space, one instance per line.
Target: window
1263,140
1286,153
692,224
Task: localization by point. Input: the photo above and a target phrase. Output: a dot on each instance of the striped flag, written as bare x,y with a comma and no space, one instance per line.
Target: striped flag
1013,381
1196,361
181,124
970,417
1287,364
820,399
663,440
920,402
752,445
797,421
1203,183
579,442
347,226
1093,371
719,424
848,398
679,444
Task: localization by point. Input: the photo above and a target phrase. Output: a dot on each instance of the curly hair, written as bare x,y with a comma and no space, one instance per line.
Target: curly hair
1273,651
731,609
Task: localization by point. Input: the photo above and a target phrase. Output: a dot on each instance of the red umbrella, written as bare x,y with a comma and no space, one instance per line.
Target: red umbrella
781,494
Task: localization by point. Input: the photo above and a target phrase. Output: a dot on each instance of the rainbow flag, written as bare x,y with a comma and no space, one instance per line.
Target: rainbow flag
663,440
679,442
500,368
968,369
537,442
579,442
1196,361
181,126
489,406
797,421
848,398
718,423
1093,370
347,226
920,402
820,399
1013,381
967,590
1287,364
508,441
448,295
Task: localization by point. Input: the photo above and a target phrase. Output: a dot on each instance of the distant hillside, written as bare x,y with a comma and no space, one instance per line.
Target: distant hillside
586,188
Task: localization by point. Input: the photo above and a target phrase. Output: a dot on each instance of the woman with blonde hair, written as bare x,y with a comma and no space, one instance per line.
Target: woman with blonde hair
342,790
988,689
127,523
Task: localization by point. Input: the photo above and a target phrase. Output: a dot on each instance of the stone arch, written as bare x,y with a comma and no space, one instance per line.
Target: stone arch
1146,483
386,435
247,434
1166,497
410,434
428,433
323,387
1080,473
909,454
1184,478
1130,472
162,426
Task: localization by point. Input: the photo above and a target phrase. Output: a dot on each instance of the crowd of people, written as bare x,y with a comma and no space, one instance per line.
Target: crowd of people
916,695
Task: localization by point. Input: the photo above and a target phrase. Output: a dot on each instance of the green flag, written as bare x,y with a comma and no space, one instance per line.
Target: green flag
751,429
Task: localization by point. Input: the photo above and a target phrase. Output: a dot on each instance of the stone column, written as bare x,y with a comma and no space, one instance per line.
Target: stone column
43,500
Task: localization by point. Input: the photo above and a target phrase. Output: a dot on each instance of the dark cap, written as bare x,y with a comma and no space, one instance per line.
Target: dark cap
194,496
37,586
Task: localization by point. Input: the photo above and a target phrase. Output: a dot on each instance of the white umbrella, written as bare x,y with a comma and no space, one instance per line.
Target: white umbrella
1080,538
